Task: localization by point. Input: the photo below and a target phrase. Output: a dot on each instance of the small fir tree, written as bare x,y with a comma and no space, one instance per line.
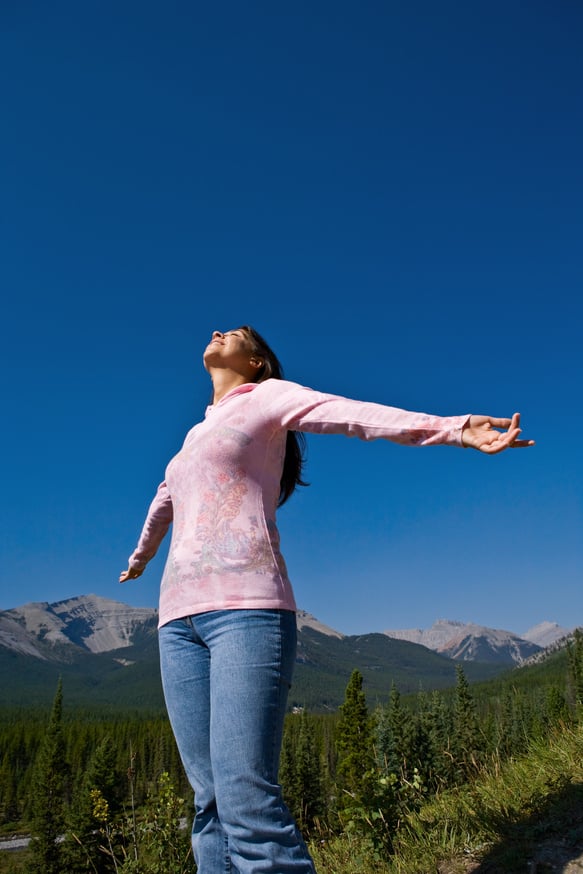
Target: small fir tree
418,745
354,737
49,788
306,782
391,735
439,731
575,669
465,740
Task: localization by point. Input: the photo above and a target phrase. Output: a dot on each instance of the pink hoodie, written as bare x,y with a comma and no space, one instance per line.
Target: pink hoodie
221,492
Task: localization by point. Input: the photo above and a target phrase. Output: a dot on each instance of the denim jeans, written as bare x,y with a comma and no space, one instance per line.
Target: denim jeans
226,676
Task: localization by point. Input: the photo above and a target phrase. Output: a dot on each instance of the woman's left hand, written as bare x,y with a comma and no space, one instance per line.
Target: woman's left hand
481,433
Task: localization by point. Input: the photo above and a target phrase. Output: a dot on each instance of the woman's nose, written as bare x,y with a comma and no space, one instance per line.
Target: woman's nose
217,335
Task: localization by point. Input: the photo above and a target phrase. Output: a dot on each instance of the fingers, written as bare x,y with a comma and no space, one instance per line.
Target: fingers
518,444
506,424
130,574
495,446
509,440
491,435
513,433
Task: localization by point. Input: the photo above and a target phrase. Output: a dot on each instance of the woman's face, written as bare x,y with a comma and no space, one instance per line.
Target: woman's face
232,350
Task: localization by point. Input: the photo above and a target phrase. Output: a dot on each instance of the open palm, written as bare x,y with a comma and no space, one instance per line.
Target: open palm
482,433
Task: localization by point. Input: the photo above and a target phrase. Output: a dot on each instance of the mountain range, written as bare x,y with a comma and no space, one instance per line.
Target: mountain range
465,641
106,653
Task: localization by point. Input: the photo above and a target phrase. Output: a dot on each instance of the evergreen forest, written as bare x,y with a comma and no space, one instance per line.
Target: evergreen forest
107,793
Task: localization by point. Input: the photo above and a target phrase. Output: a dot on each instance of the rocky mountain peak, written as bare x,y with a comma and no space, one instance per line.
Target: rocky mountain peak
90,622
546,633
306,620
467,641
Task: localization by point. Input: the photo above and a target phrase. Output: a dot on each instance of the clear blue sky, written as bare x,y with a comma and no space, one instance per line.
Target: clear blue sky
390,192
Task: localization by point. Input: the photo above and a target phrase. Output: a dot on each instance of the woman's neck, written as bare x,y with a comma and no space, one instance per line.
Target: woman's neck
224,382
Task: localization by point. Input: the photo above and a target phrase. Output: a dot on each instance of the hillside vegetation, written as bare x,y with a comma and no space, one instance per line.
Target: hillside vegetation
513,817
480,778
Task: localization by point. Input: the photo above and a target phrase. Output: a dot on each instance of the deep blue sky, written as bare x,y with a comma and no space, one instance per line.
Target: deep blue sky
390,192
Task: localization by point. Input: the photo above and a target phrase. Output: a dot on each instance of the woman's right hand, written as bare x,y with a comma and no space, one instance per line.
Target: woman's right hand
130,574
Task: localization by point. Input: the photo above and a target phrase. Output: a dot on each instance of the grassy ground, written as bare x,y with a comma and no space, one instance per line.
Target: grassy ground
505,815
523,816
13,861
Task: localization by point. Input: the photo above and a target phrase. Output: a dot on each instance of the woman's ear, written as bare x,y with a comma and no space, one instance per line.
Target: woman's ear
257,363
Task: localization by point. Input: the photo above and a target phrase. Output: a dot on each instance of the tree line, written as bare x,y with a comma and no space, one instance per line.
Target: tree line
111,795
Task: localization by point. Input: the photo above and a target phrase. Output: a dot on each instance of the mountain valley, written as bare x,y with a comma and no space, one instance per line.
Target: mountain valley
106,653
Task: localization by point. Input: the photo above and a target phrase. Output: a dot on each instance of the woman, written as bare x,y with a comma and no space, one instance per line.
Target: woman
227,610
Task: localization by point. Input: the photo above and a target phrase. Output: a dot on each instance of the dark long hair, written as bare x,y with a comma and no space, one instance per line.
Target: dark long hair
295,446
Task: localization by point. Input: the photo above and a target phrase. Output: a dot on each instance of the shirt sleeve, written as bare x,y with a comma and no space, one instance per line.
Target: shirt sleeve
298,408
157,523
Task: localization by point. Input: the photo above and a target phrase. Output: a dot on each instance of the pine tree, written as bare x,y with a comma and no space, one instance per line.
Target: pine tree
508,739
81,849
440,731
418,742
308,774
391,732
556,706
301,771
575,669
354,737
8,791
49,787
465,741
287,758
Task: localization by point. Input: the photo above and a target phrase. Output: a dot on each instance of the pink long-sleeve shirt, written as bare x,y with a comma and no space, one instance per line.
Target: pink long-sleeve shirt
221,491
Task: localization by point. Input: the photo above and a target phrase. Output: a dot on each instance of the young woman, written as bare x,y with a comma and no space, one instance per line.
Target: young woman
227,610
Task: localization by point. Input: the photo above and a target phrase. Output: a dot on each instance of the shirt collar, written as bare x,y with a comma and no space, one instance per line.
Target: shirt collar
238,390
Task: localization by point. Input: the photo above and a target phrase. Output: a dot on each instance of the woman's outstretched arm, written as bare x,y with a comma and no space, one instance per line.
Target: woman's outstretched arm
155,527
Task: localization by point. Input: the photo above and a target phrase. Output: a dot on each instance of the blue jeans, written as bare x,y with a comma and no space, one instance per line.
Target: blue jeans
226,676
